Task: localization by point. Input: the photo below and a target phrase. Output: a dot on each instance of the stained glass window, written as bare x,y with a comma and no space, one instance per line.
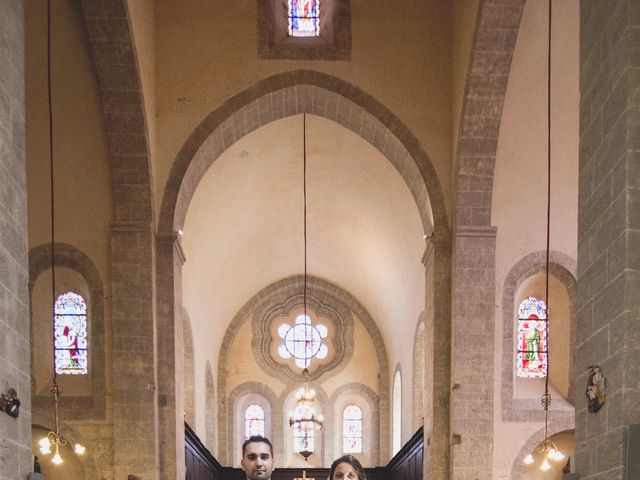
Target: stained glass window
303,341
303,438
304,18
532,338
70,334
253,421
352,429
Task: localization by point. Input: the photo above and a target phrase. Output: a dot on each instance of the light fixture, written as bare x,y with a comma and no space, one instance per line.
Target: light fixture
53,439
304,418
547,449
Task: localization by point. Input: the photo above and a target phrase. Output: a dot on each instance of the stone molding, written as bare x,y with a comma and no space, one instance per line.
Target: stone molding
280,300
244,314
418,381
83,407
293,93
494,42
563,268
209,408
333,420
556,425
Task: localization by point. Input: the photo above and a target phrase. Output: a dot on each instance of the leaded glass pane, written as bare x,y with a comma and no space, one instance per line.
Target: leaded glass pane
70,334
304,18
304,432
303,341
352,429
532,339
253,421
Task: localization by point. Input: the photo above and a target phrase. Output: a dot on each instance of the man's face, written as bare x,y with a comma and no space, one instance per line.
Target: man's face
257,461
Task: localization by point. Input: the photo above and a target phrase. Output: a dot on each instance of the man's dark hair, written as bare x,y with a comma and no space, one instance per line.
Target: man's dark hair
351,460
257,439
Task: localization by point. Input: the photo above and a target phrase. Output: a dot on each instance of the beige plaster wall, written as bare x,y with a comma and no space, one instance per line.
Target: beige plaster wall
519,198
206,53
82,178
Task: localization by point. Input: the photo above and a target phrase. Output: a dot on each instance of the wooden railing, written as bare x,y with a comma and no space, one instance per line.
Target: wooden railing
202,465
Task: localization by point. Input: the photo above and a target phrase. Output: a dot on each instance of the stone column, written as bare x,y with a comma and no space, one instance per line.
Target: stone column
473,354
15,433
170,258
135,412
437,262
608,315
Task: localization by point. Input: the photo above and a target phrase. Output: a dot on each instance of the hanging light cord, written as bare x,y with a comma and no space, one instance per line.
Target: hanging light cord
546,398
51,184
304,192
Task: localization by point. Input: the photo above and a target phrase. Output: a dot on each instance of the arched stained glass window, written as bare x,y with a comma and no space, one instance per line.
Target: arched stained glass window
253,421
304,18
70,334
304,433
396,432
532,338
352,429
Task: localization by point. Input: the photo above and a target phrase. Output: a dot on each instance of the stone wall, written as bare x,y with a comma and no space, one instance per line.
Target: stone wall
15,434
608,316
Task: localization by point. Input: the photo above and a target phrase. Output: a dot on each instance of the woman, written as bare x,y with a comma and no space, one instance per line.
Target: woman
347,467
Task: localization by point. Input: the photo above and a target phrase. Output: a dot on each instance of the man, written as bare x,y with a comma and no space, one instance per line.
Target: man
257,458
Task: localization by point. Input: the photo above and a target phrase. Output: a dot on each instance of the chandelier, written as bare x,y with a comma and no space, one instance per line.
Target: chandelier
53,439
303,420
547,449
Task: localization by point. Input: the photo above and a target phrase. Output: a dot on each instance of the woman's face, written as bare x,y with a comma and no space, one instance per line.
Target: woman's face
344,471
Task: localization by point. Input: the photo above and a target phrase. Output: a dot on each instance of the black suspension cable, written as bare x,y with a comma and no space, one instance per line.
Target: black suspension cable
51,185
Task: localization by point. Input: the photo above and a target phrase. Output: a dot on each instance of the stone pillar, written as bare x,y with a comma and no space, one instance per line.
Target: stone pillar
15,433
170,356
608,316
135,412
473,354
437,262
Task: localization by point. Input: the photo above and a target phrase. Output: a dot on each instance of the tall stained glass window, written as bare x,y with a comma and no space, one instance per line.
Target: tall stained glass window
253,421
532,338
303,438
352,429
304,18
70,334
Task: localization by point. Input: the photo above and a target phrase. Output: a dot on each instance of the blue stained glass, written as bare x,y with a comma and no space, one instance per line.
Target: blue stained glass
70,335
304,18
532,339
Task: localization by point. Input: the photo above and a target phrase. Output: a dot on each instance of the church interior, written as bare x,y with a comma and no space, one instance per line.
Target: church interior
346,225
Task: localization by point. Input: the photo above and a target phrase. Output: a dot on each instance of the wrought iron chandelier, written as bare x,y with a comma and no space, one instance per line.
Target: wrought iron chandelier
547,450
304,418
53,440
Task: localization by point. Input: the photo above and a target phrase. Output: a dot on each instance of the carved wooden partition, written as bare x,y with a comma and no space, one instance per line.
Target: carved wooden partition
201,465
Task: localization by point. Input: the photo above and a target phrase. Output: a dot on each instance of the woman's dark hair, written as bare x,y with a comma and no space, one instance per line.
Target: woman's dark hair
351,460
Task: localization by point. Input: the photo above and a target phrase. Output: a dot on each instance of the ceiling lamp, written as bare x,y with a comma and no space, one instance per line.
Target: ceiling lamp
547,449
303,420
53,439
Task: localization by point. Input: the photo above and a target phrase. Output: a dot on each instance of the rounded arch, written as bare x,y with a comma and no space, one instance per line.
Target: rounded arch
419,367
292,285
333,419
284,434
558,426
68,256
274,410
72,436
291,93
563,268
